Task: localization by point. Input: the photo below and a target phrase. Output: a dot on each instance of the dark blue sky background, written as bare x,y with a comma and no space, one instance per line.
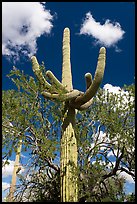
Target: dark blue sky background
120,66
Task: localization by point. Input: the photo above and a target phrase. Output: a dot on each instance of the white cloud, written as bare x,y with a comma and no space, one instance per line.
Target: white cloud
7,170
5,190
107,34
5,186
22,24
121,94
127,177
102,136
110,154
115,152
111,88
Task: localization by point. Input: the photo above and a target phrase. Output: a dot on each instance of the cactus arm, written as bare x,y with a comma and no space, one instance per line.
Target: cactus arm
38,73
79,106
62,97
66,65
55,81
91,91
86,105
88,78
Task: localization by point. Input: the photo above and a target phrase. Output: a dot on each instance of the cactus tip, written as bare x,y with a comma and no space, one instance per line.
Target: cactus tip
66,29
87,74
32,57
102,50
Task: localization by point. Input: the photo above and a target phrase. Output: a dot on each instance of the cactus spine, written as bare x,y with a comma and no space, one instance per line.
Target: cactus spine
73,100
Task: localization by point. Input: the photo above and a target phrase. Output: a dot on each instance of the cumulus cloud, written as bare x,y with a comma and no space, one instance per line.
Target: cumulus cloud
107,34
102,136
5,190
22,24
111,153
114,152
127,177
7,170
112,89
5,186
121,94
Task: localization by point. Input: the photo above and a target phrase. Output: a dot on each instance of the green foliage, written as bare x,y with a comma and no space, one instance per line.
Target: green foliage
130,198
38,121
41,187
31,117
113,116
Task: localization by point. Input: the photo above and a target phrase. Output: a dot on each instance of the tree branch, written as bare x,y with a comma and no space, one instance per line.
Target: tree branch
113,172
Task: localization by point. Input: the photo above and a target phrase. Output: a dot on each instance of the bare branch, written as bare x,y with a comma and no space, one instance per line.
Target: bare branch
116,168
128,172
52,165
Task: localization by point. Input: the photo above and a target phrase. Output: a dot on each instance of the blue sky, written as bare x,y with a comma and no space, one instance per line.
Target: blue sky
92,25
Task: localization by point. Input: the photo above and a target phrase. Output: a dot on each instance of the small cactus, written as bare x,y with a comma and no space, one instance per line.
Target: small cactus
73,99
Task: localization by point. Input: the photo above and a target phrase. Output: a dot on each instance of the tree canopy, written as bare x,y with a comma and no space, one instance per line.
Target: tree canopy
105,134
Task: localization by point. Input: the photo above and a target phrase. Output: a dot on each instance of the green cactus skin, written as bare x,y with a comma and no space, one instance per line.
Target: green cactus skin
66,65
38,73
72,100
55,81
88,78
16,169
68,96
68,160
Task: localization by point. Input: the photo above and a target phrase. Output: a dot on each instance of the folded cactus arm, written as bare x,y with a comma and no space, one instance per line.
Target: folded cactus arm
78,105
62,97
53,80
86,105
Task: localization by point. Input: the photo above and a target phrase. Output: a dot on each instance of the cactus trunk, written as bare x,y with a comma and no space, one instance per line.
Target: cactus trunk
14,175
68,164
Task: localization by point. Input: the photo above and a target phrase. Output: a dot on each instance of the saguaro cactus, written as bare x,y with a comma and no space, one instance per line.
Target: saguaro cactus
16,169
72,99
